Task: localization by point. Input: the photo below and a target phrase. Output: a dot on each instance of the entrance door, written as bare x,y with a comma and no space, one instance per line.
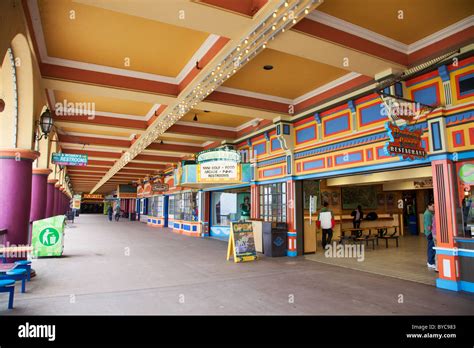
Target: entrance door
310,207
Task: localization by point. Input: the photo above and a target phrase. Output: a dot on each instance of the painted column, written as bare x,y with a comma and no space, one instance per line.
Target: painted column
446,224
39,188
290,218
50,197
254,204
15,192
57,199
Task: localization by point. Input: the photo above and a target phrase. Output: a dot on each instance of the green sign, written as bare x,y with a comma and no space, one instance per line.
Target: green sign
219,154
69,159
48,236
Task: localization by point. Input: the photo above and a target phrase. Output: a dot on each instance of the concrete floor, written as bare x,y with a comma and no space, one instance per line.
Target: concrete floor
407,262
129,268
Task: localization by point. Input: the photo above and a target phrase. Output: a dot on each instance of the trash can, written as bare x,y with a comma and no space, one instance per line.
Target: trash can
77,212
275,240
412,225
133,216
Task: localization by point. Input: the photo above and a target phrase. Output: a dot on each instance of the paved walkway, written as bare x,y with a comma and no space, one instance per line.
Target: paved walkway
129,268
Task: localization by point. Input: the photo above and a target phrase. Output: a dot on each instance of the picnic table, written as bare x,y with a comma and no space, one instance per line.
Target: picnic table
382,233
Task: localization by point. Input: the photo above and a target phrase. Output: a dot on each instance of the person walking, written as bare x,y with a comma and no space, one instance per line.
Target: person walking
357,215
428,229
326,223
117,212
110,212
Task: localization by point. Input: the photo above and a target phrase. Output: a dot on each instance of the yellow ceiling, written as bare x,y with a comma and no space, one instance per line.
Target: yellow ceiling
291,76
187,140
420,17
107,104
216,118
94,132
104,37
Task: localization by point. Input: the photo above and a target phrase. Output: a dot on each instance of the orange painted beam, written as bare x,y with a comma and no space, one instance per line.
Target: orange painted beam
94,141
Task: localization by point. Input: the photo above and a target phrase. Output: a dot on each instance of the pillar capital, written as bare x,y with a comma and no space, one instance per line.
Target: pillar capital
57,184
41,171
52,181
19,154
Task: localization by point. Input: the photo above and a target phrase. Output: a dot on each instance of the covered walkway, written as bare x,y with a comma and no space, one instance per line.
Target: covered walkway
129,268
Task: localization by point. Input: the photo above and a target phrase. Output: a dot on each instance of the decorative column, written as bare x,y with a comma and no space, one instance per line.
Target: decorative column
290,218
15,193
254,204
57,199
285,134
50,197
39,188
446,224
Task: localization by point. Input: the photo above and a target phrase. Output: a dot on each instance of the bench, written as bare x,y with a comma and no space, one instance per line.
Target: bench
368,239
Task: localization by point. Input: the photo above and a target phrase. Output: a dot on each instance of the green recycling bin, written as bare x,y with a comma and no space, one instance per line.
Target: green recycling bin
47,237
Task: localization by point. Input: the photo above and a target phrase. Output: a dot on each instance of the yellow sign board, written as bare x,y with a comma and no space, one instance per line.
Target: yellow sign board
241,242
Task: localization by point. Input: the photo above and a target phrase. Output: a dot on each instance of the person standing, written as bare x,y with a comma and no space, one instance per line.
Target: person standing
357,216
326,223
428,229
245,209
110,212
117,212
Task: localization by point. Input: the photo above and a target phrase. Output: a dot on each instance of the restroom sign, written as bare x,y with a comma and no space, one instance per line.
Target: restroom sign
215,171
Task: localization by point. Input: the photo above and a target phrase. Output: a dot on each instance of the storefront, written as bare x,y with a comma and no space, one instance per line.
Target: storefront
228,206
356,150
92,204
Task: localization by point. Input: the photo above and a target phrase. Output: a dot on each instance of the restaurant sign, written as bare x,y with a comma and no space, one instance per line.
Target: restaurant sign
404,141
69,159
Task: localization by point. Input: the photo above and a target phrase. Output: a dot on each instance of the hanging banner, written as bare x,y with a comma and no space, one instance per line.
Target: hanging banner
404,141
241,242
69,159
76,202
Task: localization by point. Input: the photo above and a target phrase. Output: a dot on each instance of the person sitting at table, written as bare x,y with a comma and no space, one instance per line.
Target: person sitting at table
326,223
357,215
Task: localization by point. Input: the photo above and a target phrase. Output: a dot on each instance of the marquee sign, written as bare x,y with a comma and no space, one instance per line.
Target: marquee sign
404,141
69,159
219,154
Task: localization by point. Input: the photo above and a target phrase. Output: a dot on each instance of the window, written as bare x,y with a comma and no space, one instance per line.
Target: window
184,206
273,202
466,85
228,207
171,207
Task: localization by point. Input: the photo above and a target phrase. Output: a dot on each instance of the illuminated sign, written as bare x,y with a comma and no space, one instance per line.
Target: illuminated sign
222,154
92,196
404,141
69,159
76,202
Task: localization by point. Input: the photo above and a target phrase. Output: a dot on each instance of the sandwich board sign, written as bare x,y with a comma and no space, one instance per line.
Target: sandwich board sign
241,242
